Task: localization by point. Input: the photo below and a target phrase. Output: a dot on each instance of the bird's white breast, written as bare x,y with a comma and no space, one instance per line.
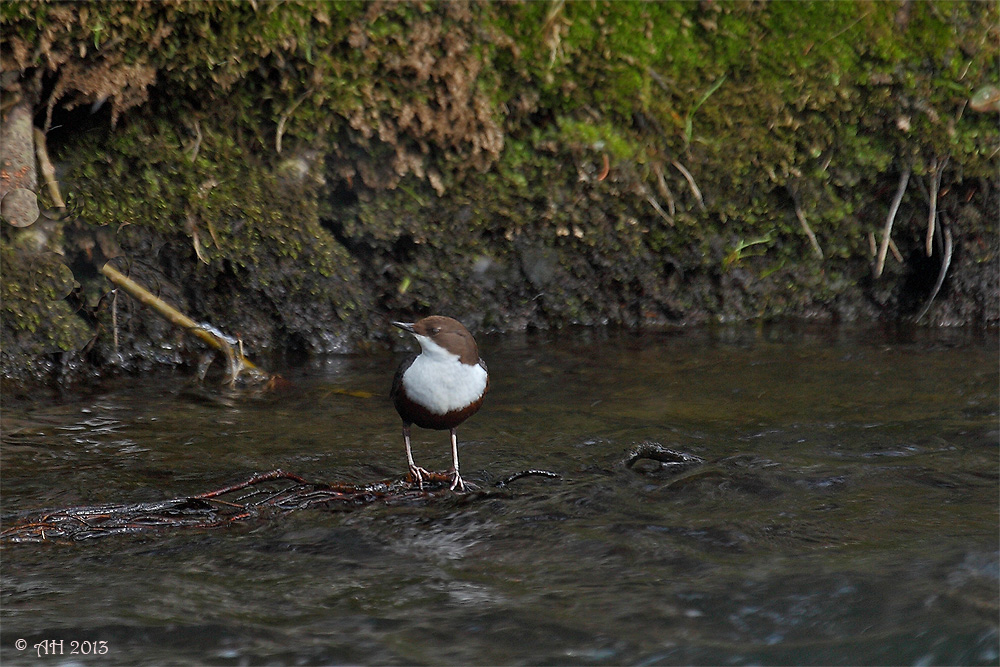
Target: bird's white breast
442,384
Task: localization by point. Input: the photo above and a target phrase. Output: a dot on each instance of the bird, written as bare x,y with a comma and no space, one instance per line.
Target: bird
440,387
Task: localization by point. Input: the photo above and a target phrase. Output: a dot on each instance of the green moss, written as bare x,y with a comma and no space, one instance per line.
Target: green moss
34,317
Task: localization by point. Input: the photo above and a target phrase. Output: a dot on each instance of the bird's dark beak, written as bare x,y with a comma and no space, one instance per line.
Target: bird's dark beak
404,326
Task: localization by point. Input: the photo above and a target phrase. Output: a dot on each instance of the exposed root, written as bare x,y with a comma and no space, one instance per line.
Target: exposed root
904,178
932,212
280,131
661,184
690,179
805,226
898,256
659,209
942,272
48,172
114,318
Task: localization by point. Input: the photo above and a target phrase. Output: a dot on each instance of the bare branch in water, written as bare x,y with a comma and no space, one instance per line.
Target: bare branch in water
525,473
204,332
657,452
274,491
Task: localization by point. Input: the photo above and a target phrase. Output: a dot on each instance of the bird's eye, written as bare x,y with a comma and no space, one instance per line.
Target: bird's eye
435,331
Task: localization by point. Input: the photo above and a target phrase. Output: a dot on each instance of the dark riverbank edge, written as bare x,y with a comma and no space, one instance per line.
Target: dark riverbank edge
297,174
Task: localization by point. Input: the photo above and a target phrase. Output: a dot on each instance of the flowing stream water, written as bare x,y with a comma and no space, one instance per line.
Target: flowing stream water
846,511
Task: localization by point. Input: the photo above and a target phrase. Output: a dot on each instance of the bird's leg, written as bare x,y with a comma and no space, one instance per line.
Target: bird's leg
456,479
415,470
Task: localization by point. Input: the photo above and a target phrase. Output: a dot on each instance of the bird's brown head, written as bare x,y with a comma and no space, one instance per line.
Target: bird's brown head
445,333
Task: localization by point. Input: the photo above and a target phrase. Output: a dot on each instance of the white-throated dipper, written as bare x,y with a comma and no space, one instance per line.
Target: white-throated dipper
440,387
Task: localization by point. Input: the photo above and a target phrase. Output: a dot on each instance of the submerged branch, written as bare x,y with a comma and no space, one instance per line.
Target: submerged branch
657,452
276,490
525,473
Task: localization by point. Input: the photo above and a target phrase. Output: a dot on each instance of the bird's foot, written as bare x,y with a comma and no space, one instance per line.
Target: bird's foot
456,481
418,474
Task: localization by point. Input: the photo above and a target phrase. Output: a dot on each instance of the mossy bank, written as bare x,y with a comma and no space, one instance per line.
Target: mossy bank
296,173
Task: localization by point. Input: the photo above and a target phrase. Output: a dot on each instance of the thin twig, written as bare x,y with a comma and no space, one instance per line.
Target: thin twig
841,32
551,28
658,78
884,247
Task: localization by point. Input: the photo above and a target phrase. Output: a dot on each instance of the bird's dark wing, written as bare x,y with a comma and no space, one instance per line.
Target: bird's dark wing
397,379
482,364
